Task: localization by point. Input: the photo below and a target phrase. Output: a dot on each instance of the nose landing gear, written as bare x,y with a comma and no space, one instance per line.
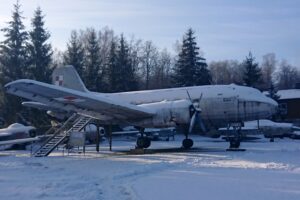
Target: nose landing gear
235,141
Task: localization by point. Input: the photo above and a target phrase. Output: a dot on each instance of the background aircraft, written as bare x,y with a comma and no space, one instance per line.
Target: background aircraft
192,109
17,136
264,127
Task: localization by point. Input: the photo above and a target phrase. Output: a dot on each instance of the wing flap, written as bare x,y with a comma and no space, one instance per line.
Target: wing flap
40,106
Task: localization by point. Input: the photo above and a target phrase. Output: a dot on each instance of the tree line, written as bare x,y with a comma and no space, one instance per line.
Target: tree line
108,62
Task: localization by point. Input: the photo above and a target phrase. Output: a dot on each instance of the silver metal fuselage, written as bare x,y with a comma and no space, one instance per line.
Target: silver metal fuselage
220,104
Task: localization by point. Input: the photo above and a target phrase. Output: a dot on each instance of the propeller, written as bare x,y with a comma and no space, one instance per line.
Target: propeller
196,117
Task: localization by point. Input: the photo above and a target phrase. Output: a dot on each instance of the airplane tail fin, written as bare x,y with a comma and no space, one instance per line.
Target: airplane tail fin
67,76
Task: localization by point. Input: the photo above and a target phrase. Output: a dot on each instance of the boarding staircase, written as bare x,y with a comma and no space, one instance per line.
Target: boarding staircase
74,124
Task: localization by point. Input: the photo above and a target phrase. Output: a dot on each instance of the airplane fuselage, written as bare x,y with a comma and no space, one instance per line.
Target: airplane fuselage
220,104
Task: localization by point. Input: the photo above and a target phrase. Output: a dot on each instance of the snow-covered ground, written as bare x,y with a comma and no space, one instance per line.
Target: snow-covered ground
265,171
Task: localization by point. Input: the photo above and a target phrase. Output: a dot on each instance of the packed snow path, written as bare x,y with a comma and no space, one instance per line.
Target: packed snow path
265,171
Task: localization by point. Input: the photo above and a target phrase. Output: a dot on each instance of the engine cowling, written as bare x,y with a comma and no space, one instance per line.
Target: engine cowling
168,113
60,116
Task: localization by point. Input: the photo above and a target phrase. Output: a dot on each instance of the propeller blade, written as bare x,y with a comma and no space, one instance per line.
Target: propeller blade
196,116
200,97
192,122
189,96
201,123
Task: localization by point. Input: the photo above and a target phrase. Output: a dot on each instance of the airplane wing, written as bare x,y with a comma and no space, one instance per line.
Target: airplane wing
19,141
77,101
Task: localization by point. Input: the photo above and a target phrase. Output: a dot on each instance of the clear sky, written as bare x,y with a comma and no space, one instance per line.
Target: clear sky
225,29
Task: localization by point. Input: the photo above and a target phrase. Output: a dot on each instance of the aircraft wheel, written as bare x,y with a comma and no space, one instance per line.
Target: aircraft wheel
147,143
187,143
235,144
143,142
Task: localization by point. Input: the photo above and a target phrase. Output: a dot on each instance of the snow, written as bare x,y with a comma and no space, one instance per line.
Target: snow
15,125
15,128
265,171
268,123
263,123
289,94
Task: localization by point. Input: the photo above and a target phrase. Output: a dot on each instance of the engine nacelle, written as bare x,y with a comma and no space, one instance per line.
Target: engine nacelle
168,113
60,116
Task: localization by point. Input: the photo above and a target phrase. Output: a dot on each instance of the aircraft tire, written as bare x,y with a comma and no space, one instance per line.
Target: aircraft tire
147,143
187,143
140,143
234,144
143,142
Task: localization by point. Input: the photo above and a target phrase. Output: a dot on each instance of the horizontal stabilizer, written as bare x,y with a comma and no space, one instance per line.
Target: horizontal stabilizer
19,141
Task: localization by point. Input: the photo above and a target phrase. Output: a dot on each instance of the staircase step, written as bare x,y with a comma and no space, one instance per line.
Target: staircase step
63,132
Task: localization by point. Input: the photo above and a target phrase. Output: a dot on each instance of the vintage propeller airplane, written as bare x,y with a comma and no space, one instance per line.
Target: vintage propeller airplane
17,136
201,109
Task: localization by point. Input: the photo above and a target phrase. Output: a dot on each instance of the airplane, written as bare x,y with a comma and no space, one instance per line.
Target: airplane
17,136
195,109
267,128
273,130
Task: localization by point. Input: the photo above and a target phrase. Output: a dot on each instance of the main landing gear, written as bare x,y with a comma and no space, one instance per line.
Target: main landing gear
187,143
143,142
235,141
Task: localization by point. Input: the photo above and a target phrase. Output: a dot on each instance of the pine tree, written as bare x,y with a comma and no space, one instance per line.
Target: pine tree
13,61
113,69
13,48
93,74
127,81
273,92
252,73
149,62
190,69
40,52
75,53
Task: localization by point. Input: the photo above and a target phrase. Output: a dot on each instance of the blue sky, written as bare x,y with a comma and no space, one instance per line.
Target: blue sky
225,29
